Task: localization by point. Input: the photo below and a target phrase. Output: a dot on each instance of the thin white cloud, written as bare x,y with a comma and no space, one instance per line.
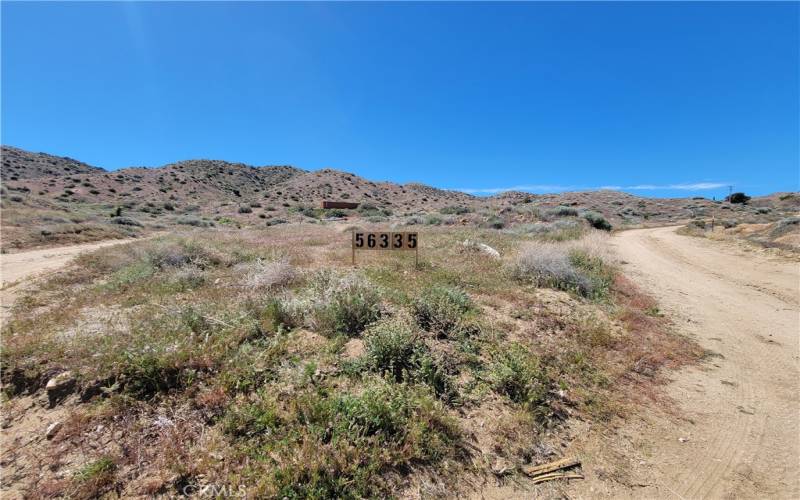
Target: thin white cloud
549,188
696,186
527,187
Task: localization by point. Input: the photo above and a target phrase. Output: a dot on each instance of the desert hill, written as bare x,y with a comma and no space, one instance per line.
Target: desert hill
50,200
20,164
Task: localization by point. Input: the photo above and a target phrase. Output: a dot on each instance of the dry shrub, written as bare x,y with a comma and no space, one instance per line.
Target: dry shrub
579,266
548,265
262,275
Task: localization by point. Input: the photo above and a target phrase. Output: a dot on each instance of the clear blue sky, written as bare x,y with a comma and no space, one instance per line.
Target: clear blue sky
546,96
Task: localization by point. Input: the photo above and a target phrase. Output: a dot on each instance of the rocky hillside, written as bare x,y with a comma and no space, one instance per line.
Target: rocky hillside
50,200
20,164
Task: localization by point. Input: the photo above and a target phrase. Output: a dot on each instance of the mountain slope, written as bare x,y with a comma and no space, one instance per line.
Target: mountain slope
53,200
20,164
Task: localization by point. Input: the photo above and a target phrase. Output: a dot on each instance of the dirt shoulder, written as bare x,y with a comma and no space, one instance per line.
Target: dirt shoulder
17,269
735,434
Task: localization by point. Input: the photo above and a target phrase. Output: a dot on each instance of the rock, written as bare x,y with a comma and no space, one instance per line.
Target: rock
482,247
501,467
53,429
59,387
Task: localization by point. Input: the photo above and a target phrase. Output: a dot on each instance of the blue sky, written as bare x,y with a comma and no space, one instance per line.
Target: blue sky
657,99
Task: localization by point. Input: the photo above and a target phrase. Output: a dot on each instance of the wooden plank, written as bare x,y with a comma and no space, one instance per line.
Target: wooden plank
564,463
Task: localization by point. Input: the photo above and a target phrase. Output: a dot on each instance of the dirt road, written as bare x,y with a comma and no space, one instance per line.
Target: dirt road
737,435
17,269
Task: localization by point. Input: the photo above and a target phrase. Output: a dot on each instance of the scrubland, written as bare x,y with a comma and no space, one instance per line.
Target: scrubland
781,236
262,361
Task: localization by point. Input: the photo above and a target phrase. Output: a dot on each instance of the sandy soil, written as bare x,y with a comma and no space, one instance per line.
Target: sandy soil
735,433
18,269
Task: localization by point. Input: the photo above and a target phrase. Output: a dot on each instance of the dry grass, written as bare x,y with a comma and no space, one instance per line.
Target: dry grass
224,361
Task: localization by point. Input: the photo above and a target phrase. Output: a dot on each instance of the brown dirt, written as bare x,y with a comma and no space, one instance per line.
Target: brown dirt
734,430
18,269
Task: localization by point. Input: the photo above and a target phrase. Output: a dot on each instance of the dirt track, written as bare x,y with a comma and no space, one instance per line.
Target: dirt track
16,269
737,433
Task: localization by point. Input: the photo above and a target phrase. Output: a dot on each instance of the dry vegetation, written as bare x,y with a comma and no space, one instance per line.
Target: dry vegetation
782,235
260,361
49,200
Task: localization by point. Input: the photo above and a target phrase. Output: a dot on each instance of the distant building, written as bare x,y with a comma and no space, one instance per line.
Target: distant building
339,204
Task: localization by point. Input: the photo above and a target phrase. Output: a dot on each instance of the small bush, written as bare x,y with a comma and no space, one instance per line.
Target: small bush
258,418
263,275
341,444
245,209
341,304
455,210
597,221
145,374
784,226
562,211
517,373
275,222
393,348
440,309
276,315
94,470
433,220
559,230
194,221
494,222
335,212
126,221
701,224
737,198
548,265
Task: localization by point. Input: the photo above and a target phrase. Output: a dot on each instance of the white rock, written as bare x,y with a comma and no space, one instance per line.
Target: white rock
483,248
59,381
53,429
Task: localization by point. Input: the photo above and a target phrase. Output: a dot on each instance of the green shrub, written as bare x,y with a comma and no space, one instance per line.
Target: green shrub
433,220
343,444
600,275
737,198
597,221
94,470
562,211
335,212
252,419
193,221
494,222
245,209
145,374
341,304
126,221
440,309
393,348
455,210
275,316
517,373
